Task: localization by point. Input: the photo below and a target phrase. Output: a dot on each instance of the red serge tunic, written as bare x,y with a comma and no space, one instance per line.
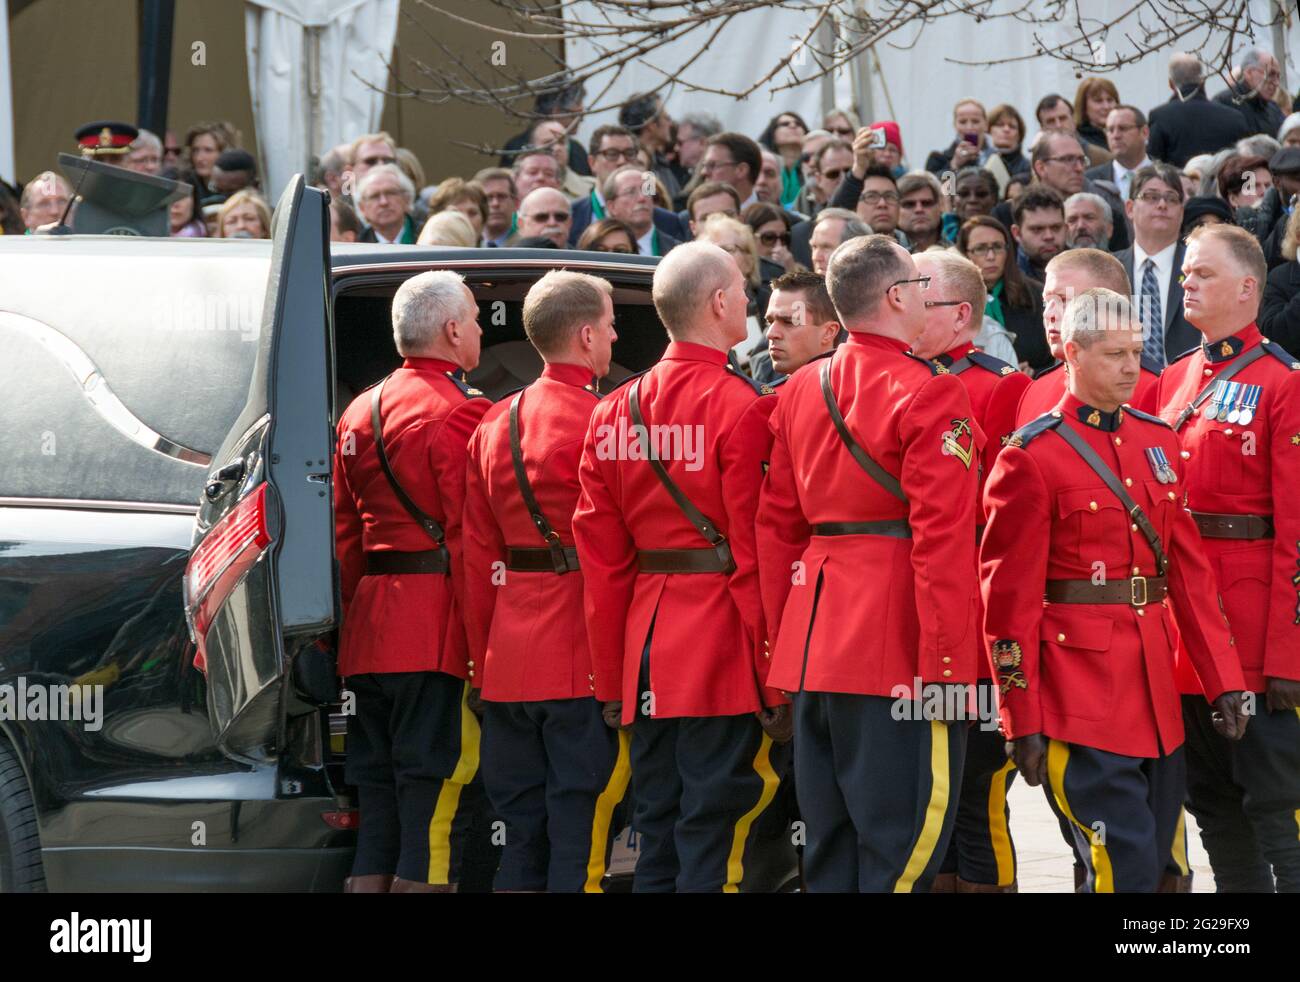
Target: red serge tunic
1247,469
526,631
867,613
1099,675
405,622
706,655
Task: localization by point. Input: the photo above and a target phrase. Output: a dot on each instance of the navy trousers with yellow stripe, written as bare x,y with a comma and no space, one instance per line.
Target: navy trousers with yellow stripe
1246,797
981,849
878,794
1126,813
700,785
413,755
554,773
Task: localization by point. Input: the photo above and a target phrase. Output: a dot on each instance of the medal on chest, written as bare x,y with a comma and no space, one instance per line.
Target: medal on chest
1160,466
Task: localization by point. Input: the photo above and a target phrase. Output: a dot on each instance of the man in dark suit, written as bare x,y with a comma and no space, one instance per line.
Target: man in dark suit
1189,123
613,147
1155,261
630,201
1058,161
1252,94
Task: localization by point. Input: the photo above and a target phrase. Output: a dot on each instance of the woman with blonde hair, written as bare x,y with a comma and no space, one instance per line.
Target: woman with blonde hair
466,197
448,228
245,215
736,239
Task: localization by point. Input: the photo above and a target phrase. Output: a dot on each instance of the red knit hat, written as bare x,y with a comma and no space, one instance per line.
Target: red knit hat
892,133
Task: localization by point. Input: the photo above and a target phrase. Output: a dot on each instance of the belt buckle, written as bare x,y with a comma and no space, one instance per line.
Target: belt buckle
1133,591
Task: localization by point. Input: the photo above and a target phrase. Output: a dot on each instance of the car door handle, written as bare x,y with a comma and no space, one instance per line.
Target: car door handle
229,474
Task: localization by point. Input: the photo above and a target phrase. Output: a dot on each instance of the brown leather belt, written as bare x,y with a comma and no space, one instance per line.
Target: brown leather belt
1136,592
684,561
895,528
1214,526
387,563
541,560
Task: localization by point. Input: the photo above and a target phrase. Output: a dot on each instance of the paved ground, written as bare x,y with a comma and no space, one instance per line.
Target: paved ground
1044,859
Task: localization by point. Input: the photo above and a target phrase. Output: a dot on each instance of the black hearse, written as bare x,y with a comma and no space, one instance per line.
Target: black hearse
166,447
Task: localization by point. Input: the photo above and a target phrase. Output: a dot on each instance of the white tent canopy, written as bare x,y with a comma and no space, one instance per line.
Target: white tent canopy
311,68
914,80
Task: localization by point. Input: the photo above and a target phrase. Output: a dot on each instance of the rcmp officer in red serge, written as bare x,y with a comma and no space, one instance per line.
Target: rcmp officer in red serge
1068,275
665,538
1235,401
981,857
1085,513
866,534
413,747
551,767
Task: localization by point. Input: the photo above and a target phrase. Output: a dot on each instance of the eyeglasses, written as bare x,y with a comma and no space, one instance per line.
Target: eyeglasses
988,249
770,239
920,203
613,155
1121,128
943,303
549,216
922,282
974,193
842,131
376,161
834,174
709,166
1070,160
1155,197
171,151
875,197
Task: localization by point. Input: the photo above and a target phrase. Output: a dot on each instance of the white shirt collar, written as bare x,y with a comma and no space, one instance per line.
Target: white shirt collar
1164,259
645,244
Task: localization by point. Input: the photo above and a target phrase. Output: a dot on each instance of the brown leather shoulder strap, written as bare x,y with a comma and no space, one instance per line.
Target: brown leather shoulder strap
548,533
1080,446
881,476
426,521
693,514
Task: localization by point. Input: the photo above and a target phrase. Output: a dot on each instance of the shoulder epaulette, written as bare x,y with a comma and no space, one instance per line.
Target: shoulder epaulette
1281,354
1035,427
761,388
1190,351
1152,366
990,364
469,391
933,367
1048,370
1147,416
630,378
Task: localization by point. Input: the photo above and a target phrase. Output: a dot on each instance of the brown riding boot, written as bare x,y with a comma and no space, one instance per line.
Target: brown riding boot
1169,883
370,883
945,883
415,886
965,886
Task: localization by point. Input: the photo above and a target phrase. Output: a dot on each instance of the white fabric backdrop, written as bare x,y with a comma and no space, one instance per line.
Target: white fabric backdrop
919,88
308,65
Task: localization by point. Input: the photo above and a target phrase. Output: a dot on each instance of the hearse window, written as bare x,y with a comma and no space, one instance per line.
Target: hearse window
124,365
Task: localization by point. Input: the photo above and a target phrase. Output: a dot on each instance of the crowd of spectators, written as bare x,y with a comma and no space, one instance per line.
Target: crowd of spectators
1098,171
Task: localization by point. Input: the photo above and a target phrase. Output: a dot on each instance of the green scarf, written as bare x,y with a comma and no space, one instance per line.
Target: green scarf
994,305
597,209
791,184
